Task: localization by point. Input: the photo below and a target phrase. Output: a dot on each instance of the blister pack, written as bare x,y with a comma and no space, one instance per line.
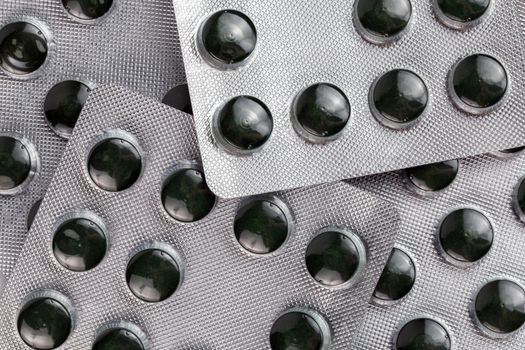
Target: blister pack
288,94
456,278
130,246
52,53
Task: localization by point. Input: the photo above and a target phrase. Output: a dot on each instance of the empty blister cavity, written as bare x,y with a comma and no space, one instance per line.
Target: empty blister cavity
63,105
80,241
24,48
335,258
498,308
263,225
462,14
242,125
154,273
19,163
227,39
300,328
398,99
397,279
87,11
45,320
478,84
115,163
320,113
120,335
423,334
185,195
431,178
382,21
179,98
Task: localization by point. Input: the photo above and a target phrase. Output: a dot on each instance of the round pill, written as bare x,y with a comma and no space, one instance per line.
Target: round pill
463,10
87,9
500,306
229,36
44,323
384,18
15,163
23,48
153,275
513,150
519,201
296,330
466,235
261,226
79,244
63,105
118,338
433,177
322,110
479,81
397,278
332,258
186,196
245,123
179,98
423,334
400,96
32,213
114,164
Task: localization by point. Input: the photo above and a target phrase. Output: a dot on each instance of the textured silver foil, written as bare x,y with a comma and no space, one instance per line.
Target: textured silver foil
444,291
228,299
305,42
135,45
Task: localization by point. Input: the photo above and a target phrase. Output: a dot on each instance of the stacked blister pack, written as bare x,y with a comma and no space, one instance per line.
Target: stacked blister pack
136,217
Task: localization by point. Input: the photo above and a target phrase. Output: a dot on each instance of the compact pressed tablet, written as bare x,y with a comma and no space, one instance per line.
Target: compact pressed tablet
398,277
381,21
118,338
87,10
15,163
433,177
423,334
300,329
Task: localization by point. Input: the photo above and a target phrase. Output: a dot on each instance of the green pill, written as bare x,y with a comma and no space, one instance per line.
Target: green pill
519,200
79,244
32,213
479,81
245,123
423,334
513,150
114,164
384,18
296,330
179,98
400,96
44,323
63,105
463,10
433,177
322,110
15,163
500,306
466,235
261,226
23,48
186,196
332,258
153,275
118,339
87,9
398,277
229,36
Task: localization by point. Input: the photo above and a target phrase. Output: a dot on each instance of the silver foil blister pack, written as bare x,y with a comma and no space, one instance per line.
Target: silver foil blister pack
135,44
279,57
228,296
451,275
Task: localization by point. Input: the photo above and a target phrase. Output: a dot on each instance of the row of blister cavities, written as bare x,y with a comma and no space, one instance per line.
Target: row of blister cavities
335,258
463,239
398,99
